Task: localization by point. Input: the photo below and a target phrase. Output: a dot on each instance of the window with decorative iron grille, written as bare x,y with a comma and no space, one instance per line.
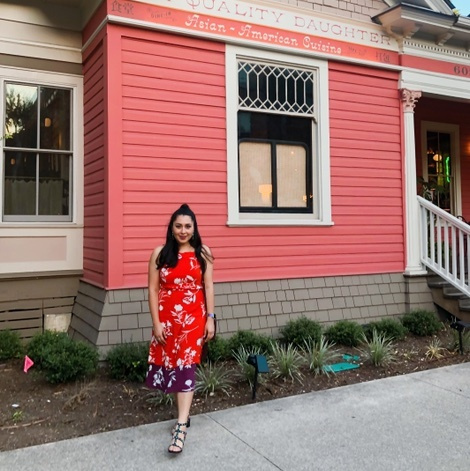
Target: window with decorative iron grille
278,154
275,118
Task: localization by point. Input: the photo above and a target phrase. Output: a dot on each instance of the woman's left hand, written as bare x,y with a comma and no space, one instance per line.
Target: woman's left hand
209,330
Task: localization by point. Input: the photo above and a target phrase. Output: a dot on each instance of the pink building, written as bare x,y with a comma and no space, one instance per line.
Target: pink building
299,132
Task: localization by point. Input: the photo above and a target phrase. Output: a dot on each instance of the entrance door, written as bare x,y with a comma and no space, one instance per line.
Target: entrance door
441,165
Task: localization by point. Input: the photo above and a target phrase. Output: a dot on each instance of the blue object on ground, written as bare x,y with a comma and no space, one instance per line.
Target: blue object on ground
336,367
350,357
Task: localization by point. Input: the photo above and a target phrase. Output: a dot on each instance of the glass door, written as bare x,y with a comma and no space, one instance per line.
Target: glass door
441,176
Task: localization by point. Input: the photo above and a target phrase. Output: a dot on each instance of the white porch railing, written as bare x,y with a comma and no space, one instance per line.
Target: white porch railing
445,244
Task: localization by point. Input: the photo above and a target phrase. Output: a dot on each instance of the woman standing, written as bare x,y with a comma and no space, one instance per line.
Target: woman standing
181,300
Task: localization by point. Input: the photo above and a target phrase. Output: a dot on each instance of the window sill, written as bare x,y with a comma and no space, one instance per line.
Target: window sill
276,220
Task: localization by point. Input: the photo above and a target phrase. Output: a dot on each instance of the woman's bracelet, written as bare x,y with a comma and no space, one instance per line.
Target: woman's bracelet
211,314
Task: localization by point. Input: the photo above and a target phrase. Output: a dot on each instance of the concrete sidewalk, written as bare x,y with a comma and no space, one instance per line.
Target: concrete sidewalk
417,422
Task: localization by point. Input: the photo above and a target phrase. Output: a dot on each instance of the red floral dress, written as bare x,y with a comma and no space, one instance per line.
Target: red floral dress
182,311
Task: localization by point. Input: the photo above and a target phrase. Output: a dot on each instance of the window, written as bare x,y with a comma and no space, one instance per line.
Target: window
37,153
278,157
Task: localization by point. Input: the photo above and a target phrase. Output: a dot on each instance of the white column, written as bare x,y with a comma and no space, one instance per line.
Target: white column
413,264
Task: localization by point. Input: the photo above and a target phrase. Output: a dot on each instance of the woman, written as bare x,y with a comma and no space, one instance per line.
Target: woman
181,300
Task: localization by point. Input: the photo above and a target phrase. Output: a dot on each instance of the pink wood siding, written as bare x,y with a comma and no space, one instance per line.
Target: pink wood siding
174,151
173,131
94,248
366,171
441,111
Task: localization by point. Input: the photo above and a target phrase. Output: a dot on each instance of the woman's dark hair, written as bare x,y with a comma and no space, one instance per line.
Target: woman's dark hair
169,254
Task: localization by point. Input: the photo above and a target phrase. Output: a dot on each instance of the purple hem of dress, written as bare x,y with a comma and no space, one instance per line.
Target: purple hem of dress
181,379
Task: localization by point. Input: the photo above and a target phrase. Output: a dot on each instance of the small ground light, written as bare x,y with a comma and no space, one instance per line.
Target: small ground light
460,326
261,366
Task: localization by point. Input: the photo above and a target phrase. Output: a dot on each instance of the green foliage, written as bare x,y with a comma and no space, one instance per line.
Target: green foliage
60,358
128,362
454,343
159,398
250,341
285,362
378,350
10,345
297,331
347,333
211,378
246,371
319,354
218,349
422,323
391,328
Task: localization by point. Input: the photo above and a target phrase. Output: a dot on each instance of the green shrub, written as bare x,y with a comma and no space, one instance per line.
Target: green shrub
211,378
286,362
128,362
390,328
250,341
60,358
347,333
10,345
319,355
378,350
218,349
421,323
296,332
246,372
454,341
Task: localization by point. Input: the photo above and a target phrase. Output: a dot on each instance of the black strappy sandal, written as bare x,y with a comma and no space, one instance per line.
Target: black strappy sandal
188,424
176,438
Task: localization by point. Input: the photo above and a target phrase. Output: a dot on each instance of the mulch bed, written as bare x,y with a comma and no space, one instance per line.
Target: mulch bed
33,412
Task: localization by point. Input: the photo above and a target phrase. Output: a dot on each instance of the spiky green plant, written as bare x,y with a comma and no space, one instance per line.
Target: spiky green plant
159,398
211,378
285,362
246,371
318,354
454,342
378,350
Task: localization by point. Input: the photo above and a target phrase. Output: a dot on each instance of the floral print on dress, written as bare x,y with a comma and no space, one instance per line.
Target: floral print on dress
182,312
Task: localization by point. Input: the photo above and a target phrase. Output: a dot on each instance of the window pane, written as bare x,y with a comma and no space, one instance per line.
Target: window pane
54,184
55,119
20,184
255,174
21,116
440,168
291,161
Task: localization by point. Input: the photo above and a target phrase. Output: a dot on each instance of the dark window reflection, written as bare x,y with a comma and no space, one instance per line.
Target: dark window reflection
54,183
55,119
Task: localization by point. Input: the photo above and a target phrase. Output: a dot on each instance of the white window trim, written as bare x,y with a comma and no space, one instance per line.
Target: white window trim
320,145
453,130
75,83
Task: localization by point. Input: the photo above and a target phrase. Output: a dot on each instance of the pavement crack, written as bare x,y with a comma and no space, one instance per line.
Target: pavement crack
244,442
457,393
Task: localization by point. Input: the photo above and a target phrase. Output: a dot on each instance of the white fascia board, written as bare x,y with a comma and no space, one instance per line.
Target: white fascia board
435,84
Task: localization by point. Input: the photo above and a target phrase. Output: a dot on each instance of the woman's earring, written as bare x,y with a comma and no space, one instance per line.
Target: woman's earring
192,237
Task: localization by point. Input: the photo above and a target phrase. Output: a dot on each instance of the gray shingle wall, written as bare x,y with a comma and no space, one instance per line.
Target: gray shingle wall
110,318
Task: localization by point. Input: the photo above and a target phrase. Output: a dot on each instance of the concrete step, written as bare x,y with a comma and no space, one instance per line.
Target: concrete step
435,281
464,304
452,293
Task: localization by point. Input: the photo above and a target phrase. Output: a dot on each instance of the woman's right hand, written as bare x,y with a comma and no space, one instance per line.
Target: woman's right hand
159,333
